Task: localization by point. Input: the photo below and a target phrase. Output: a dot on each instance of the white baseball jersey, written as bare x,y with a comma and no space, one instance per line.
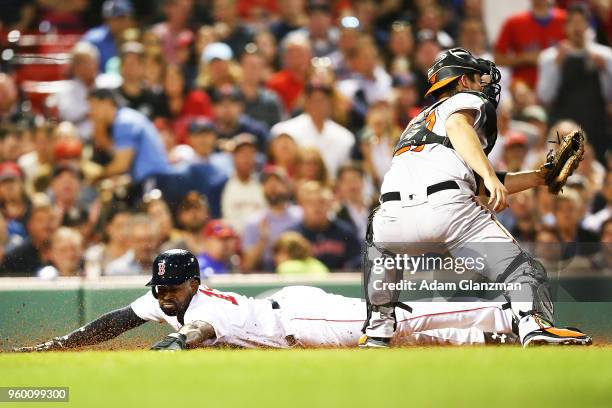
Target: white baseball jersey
238,320
311,317
412,171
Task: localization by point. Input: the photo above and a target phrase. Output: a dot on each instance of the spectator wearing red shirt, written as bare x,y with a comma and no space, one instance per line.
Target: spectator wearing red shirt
525,34
289,82
183,104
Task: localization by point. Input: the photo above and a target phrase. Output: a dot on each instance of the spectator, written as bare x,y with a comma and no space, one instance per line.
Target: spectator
184,104
133,93
65,255
219,256
311,167
595,221
136,145
319,29
264,228
548,249
578,70
202,139
315,128
233,32
175,26
427,50
348,37
524,35
9,108
154,67
566,210
515,151
14,202
602,261
369,82
400,48
333,241
27,258
144,240
378,139
65,194
230,120
72,103
117,16
243,194
289,82
218,68
523,217
284,152
291,17
157,208
431,18
349,191
259,103
42,156
116,241
292,256
192,215
11,143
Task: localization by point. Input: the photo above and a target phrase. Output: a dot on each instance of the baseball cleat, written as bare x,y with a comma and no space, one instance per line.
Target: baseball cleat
568,336
374,342
497,339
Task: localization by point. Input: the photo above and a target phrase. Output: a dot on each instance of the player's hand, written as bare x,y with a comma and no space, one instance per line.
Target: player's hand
51,345
172,342
499,194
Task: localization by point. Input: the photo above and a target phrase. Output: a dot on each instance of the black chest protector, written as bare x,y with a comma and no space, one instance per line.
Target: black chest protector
417,133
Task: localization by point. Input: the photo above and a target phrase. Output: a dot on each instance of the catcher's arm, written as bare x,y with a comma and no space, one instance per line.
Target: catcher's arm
460,131
519,181
190,335
106,327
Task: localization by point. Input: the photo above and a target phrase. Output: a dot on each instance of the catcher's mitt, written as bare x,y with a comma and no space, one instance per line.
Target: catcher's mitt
560,164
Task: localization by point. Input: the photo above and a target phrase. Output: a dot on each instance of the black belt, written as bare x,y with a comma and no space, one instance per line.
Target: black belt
434,188
274,304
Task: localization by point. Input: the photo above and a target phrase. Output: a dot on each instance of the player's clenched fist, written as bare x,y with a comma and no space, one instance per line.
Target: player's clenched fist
172,342
499,193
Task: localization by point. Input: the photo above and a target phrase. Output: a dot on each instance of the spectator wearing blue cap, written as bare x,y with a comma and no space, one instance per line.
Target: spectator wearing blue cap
117,16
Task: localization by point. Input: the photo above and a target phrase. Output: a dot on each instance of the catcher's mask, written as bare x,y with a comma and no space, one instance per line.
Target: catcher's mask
451,64
173,267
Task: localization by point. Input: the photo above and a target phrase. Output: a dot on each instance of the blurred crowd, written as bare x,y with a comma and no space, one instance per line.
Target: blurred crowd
256,133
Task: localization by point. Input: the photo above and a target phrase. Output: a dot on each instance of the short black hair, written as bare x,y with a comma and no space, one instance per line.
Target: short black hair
104,94
579,8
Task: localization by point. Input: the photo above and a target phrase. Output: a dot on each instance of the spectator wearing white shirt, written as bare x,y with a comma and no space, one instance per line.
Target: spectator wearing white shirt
72,102
315,128
242,195
575,71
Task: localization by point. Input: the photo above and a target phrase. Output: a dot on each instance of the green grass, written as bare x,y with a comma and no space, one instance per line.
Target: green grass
434,377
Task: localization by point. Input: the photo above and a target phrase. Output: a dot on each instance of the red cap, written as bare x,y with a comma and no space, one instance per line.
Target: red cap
9,170
218,229
515,138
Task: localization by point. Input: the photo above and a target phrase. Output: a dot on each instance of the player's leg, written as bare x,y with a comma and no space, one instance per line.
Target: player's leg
387,236
456,337
425,316
507,262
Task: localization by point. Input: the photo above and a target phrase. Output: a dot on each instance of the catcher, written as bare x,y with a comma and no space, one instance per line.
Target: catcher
439,169
296,316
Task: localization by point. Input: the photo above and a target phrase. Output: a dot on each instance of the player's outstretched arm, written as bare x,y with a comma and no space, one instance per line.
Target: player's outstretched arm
524,180
106,327
460,130
190,335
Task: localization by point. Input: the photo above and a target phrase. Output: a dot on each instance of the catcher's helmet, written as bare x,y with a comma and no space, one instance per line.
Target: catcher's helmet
451,64
174,267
